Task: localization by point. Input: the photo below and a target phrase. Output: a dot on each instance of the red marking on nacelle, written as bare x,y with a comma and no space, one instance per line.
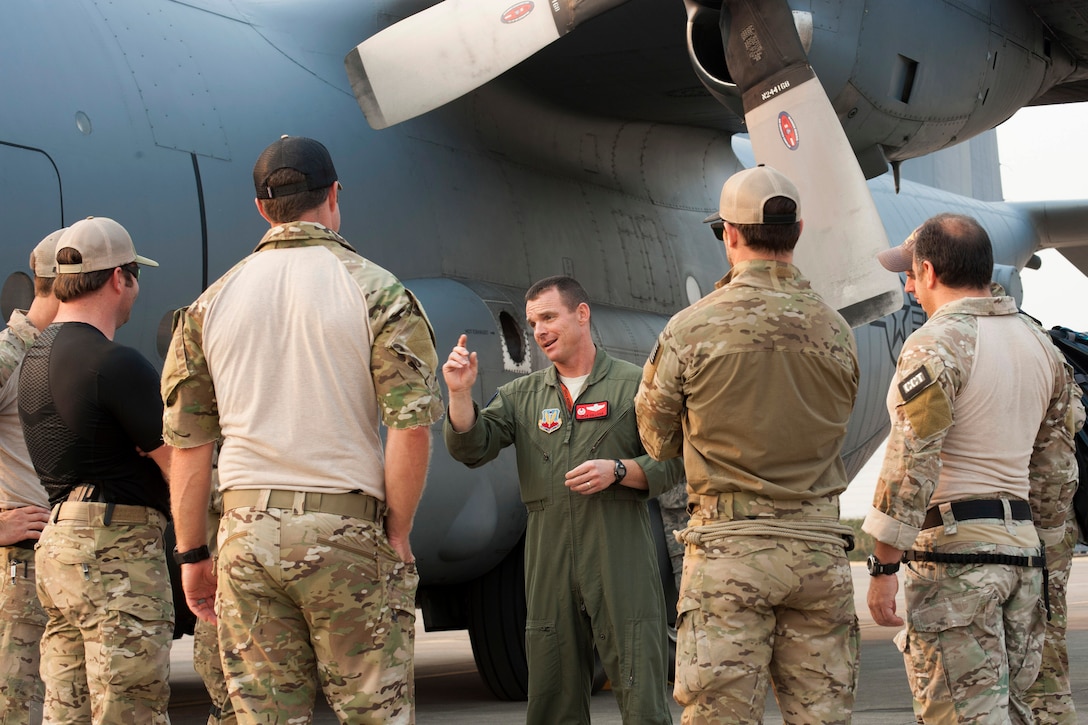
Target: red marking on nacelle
788,130
517,12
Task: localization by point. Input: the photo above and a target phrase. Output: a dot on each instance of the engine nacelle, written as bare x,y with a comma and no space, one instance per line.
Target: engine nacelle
905,79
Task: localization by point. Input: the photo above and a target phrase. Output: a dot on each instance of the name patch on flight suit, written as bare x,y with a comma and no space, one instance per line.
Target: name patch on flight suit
591,411
551,420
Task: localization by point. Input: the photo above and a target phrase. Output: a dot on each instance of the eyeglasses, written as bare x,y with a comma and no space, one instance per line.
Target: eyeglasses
132,270
719,230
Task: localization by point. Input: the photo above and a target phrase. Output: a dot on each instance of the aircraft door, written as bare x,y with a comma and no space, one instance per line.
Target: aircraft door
31,206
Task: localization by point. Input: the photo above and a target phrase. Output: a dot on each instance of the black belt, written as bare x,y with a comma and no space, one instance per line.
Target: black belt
940,557
979,509
25,544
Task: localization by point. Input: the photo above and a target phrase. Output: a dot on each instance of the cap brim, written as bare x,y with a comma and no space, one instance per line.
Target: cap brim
715,217
896,259
146,262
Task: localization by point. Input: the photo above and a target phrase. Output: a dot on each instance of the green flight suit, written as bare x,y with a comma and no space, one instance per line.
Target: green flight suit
591,575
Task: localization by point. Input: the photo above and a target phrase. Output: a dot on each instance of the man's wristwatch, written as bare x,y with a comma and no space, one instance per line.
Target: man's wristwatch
878,569
619,469
192,556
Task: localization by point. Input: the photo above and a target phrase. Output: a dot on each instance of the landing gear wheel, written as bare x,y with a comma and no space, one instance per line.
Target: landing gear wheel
497,627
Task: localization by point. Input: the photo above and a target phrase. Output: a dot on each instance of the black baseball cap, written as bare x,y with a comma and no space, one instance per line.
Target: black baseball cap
304,155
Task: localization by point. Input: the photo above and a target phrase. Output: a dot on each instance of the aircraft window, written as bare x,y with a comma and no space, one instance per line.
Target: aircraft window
17,293
694,293
511,334
83,123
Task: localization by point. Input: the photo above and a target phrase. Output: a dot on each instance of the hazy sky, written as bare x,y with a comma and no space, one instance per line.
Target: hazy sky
1043,156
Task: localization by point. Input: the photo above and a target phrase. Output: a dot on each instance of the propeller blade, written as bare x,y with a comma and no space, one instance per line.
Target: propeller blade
794,129
452,48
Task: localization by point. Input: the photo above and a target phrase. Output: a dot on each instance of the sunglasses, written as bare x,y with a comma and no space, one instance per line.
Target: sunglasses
719,230
132,270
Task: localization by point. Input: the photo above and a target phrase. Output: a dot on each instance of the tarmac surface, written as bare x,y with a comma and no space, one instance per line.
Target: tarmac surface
450,691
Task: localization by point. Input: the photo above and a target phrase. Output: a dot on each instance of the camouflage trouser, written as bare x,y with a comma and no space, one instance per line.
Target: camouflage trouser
754,608
1050,697
674,517
105,654
206,659
207,664
22,622
314,598
974,636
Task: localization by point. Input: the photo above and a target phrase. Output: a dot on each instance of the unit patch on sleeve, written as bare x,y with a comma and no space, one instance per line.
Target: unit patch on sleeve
591,411
911,387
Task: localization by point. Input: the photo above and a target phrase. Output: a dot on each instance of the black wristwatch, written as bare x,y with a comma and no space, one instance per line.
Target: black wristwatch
192,556
878,569
620,470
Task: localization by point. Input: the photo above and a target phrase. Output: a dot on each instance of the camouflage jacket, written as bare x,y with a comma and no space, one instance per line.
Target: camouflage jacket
932,373
15,340
756,383
403,359
19,484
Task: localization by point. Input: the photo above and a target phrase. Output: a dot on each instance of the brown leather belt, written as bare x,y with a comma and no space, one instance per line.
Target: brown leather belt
980,509
356,505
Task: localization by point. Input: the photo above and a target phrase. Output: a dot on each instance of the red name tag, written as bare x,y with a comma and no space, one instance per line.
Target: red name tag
591,411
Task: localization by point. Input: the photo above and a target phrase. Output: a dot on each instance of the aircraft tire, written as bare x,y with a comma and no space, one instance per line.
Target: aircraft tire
497,626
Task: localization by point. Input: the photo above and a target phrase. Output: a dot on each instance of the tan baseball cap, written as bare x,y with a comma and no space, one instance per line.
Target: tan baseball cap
102,243
45,255
746,193
901,258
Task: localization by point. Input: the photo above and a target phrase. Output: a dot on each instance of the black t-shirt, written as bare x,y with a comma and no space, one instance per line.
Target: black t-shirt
86,404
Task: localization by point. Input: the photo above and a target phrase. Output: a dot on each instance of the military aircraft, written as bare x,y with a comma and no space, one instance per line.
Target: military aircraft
593,148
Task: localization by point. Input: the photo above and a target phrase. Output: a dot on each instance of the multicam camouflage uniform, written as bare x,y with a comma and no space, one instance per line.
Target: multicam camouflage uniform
206,660
22,619
310,598
756,383
1051,697
974,631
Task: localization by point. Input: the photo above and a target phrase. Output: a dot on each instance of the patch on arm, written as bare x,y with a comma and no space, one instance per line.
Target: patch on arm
925,404
913,385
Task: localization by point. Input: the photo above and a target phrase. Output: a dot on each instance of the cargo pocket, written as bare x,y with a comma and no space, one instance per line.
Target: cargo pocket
542,651
689,658
953,650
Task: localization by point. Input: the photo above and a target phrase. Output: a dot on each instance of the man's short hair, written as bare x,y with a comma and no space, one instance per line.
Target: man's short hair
569,289
958,248
293,206
773,238
69,287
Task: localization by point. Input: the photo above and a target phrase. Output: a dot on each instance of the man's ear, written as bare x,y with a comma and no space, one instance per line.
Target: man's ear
260,209
930,274
583,312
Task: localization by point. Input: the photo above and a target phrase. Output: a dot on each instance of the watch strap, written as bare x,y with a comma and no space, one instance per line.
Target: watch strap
192,556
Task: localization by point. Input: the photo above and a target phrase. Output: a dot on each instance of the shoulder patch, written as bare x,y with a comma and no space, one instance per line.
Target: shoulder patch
653,353
913,385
